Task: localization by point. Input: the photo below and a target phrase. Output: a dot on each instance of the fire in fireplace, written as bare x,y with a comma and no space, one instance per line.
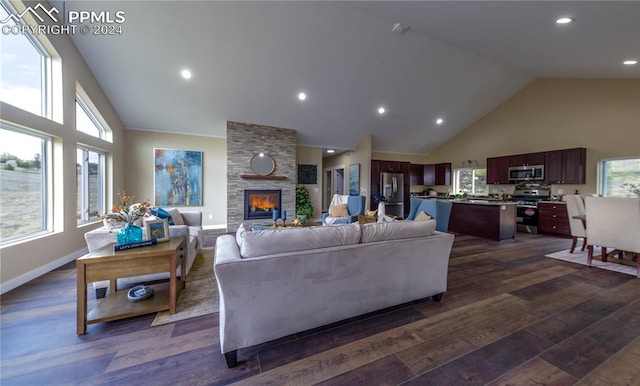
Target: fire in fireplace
260,204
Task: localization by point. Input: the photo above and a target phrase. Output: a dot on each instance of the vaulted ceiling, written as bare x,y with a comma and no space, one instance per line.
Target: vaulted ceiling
249,61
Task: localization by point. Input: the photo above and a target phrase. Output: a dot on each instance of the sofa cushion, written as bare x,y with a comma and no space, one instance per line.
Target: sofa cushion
338,210
176,216
273,241
381,231
422,216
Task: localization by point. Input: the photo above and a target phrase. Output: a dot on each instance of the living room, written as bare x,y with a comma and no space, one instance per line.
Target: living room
600,114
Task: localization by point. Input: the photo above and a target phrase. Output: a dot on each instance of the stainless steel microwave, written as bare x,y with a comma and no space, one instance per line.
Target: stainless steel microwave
526,173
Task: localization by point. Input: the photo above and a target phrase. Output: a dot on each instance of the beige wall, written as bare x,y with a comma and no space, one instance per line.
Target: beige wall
139,178
24,260
307,155
602,116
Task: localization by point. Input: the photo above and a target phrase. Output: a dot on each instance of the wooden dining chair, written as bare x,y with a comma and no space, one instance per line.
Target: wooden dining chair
613,223
575,207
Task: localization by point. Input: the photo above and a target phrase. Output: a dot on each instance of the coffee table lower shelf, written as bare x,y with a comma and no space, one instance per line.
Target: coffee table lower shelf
117,306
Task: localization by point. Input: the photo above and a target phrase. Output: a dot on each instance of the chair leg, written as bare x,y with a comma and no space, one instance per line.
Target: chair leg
603,258
574,241
584,243
589,255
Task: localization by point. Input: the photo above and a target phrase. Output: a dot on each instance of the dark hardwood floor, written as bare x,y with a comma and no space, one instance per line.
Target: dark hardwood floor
510,317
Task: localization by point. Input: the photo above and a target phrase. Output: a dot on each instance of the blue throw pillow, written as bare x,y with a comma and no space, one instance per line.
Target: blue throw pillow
162,214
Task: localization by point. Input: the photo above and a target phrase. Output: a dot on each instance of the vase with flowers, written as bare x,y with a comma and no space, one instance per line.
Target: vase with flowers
129,212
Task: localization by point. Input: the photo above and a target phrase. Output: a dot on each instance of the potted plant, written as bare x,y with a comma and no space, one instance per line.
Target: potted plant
304,207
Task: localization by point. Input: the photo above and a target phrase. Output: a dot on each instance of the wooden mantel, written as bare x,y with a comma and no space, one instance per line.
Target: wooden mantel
259,177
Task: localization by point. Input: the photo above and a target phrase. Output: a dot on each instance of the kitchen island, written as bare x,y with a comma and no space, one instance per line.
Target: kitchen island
495,220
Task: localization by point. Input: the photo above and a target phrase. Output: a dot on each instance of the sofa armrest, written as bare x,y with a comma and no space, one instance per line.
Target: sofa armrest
193,218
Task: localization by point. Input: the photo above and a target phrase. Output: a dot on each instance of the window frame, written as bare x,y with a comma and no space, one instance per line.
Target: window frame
85,214
93,117
456,179
46,66
46,189
601,173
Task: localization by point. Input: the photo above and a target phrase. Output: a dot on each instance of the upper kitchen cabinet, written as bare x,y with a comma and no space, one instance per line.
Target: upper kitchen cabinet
429,174
566,166
498,170
527,159
416,174
443,174
394,166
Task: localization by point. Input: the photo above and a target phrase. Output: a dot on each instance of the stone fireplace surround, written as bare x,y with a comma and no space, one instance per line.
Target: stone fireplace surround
244,140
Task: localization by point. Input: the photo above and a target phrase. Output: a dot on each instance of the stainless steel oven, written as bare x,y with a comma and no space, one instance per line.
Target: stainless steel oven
526,173
526,197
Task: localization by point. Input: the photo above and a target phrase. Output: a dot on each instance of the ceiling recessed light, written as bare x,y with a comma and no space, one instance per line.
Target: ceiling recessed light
630,62
565,20
439,121
330,151
381,110
186,74
302,96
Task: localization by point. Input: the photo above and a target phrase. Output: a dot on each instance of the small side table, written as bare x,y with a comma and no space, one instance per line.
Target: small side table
105,264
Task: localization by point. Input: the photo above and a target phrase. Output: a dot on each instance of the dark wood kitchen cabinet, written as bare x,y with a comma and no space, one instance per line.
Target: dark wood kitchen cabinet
443,174
416,174
527,159
566,166
553,219
429,174
498,170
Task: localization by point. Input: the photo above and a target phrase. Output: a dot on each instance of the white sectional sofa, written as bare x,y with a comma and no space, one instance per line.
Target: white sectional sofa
274,283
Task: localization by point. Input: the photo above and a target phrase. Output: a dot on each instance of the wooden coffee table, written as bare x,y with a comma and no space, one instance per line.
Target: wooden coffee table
105,264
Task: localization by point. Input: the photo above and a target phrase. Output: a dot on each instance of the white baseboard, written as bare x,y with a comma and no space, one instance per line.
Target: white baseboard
27,277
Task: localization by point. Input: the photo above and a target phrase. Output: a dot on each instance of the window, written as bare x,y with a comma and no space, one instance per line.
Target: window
619,177
471,181
26,70
86,120
23,164
89,184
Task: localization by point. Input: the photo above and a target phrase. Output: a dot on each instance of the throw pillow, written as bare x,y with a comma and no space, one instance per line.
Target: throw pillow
422,216
372,212
176,216
339,210
161,213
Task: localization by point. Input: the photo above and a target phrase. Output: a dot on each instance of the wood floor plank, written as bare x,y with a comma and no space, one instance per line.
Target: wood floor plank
536,372
331,363
620,369
385,371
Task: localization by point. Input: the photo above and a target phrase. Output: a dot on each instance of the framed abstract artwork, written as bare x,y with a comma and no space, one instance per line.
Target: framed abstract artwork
354,180
178,177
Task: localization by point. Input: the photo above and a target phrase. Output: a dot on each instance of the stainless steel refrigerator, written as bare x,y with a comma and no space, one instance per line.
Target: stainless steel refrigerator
392,187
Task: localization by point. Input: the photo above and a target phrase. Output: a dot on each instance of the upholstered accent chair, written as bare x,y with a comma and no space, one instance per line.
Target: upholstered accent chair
337,215
575,207
437,209
613,223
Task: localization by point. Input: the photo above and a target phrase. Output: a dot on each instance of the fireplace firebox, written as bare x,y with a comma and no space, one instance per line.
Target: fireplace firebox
260,204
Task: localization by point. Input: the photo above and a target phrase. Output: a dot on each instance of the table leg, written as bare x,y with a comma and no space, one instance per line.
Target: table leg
82,300
172,284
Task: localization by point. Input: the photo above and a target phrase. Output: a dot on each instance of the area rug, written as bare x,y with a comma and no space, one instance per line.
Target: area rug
200,295
581,258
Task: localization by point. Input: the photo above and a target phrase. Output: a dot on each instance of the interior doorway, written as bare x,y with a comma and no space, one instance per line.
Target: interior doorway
333,180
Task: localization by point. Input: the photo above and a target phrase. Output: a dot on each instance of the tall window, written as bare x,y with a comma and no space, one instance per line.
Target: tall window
471,181
620,177
23,165
89,184
25,71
